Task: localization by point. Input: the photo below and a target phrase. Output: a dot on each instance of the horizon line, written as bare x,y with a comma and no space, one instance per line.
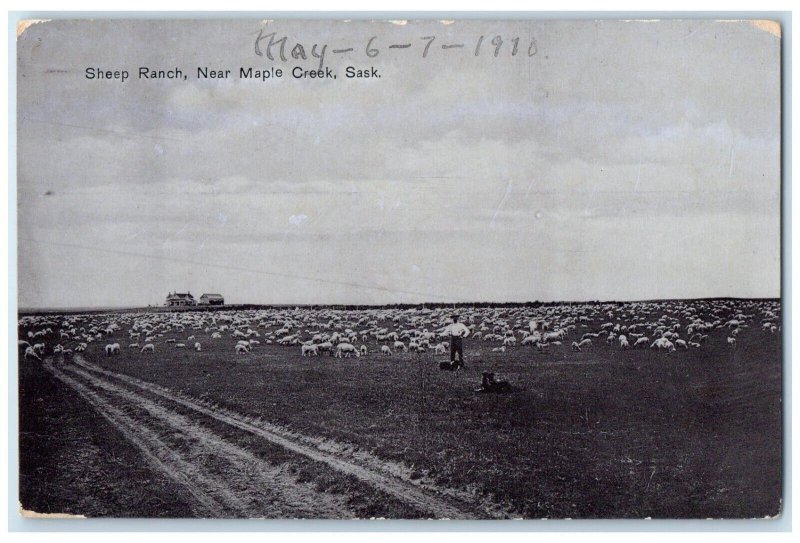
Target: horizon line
384,305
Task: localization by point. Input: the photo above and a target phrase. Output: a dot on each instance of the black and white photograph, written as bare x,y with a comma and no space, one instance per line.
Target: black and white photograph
459,269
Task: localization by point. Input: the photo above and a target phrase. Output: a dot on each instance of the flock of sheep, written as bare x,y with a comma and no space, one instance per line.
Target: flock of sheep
666,326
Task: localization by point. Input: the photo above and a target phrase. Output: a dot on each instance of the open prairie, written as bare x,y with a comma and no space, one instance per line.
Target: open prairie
685,424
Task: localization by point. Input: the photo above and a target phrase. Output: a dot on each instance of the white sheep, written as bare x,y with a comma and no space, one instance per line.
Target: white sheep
112,349
346,349
30,353
148,348
663,344
197,346
309,350
386,351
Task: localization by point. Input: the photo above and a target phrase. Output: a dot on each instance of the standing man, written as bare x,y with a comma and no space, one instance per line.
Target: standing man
457,332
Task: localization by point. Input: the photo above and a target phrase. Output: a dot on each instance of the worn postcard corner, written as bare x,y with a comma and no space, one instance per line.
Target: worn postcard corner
33,514
23,25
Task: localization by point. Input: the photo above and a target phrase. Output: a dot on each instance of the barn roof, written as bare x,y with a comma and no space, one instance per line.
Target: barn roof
180,295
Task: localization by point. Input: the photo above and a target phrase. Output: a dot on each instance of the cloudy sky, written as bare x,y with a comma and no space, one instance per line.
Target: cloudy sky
624,160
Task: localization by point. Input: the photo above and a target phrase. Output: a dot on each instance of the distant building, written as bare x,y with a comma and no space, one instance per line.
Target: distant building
212,299
178,299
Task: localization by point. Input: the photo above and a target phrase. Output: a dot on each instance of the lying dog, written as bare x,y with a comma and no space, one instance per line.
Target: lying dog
489,384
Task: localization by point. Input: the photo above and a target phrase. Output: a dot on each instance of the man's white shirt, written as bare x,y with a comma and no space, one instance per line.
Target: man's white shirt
458,329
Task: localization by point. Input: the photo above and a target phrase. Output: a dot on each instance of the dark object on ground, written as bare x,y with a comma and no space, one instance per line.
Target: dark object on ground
451,365
489,384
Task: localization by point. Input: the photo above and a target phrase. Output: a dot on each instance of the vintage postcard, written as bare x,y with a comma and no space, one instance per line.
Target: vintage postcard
400,269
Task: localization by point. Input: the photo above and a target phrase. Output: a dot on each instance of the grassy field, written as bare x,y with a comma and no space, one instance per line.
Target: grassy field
594,434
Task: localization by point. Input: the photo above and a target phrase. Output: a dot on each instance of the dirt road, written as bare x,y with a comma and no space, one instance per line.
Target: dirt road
179,436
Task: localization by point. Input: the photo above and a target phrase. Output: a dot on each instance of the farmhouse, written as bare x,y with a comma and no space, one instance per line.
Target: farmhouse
211,299
175,299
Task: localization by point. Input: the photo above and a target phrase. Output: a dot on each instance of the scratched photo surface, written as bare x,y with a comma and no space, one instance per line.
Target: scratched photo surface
399,269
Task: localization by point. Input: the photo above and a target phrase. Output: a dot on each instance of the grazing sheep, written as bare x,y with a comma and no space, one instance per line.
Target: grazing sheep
585,344
133,346
180,345
30,353
112,349
363,350
440,348
499,349
216,335
641,343
346,349
241,349
732,342
663,344
325,347
149,348
198,347
682,344
399,345
575,347
386,351
309,350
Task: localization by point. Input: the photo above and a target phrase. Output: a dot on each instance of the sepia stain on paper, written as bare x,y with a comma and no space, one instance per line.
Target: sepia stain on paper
22,26
773,27
34,514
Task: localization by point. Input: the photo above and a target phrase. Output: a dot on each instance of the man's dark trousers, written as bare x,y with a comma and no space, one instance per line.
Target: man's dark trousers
456,346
